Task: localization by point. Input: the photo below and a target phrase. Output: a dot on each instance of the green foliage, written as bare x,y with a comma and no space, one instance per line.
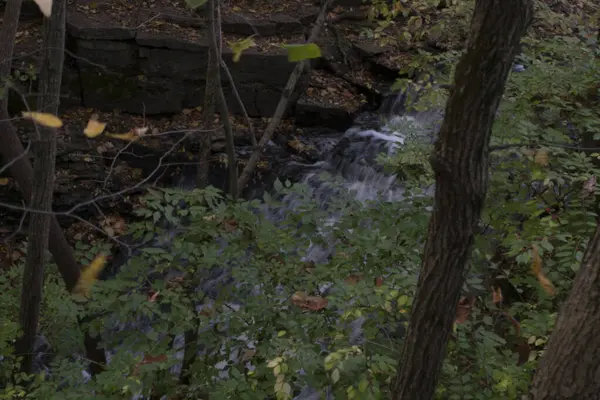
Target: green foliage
195,3
300,52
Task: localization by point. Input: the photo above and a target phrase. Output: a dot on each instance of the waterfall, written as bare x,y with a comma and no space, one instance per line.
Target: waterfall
348,166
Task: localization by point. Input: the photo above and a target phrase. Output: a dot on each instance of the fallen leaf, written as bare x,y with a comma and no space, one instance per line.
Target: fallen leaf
541,157
44,119
497,295
94,128
230,225
129,136
463,310
153,296
539,273
148,359
313,303
589,186
4,181
353,279
89,276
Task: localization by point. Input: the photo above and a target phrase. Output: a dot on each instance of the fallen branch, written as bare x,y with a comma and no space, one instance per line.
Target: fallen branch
282,105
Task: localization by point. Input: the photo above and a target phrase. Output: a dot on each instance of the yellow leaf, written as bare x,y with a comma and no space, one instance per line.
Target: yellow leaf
541,157
4,181
45,7
89,276
130,136
94,128
45,119
238,46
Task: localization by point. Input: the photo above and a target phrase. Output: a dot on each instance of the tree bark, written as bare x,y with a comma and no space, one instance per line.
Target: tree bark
570,366
214,37
460,164
12,149
212,74
39,232
43,176
282,105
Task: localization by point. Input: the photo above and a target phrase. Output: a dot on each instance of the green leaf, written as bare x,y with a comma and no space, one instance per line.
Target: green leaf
335,375
238,47
195,3
300,52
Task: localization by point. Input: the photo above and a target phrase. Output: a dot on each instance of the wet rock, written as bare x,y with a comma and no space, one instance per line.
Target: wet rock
161,40
245,25
369,49
310,113
111,54
82,27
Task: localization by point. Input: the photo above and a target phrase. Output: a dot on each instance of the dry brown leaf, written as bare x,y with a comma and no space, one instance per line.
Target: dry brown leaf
463,310
353,279
312,303
148,359
541,157
536,269
497,295
230,225
153,296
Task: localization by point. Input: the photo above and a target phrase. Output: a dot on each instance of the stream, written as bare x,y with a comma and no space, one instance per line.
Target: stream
348,166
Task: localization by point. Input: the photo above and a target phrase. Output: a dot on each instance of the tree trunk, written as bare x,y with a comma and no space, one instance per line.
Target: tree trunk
12,151
570,366
212,74
460,163
214,37
43,176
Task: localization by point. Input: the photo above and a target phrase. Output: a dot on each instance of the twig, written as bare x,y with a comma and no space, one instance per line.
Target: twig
560,145
282,105
240,102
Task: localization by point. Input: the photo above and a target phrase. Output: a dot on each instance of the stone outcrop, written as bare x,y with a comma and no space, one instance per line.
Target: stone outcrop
156,73
136,65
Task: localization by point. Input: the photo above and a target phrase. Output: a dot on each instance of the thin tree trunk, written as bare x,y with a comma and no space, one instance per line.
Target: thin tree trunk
39,232
43,175
460,163
214,37
211,98
282,105
12,149
570,366
209,106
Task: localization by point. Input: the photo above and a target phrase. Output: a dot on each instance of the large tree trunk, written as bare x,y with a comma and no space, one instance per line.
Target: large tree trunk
570,366
460,163
13,152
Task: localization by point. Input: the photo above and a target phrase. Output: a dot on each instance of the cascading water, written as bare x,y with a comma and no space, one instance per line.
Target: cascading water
348,166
